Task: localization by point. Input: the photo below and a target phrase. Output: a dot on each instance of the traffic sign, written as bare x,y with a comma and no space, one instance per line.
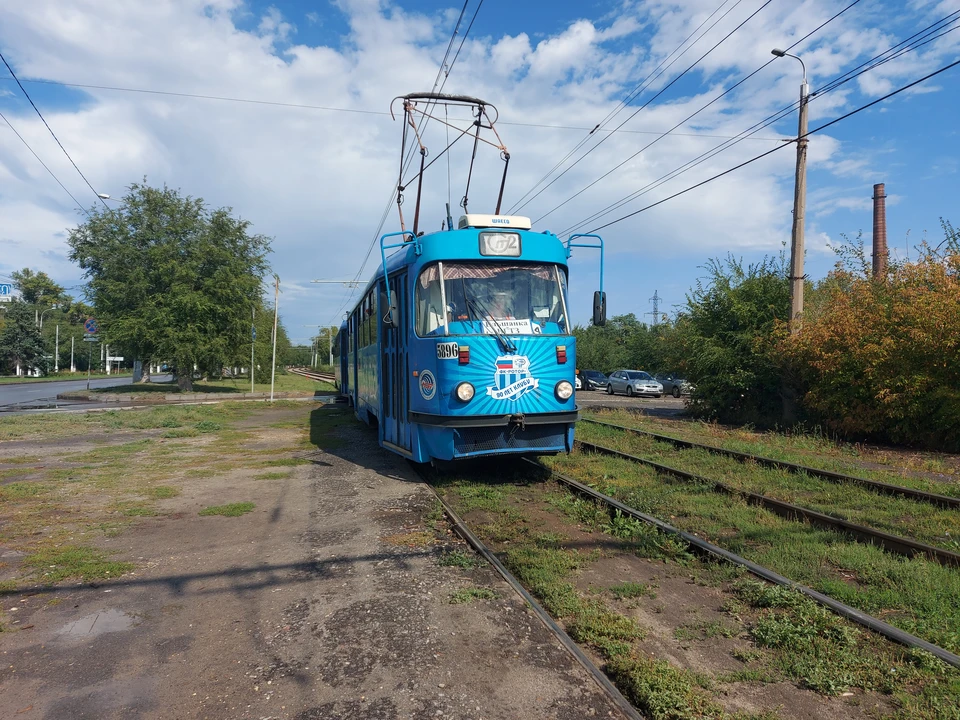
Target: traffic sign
254,331
91,325
91,338
5,289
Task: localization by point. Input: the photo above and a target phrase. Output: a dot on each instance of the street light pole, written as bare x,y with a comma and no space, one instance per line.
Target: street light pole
799,205
276,311
56,352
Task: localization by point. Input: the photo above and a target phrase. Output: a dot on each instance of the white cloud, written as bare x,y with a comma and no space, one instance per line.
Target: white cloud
318,181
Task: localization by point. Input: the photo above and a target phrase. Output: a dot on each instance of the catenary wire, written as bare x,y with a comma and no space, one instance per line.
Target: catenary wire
694,114
842,79
27,95
647,103
623,103
10,125
780,147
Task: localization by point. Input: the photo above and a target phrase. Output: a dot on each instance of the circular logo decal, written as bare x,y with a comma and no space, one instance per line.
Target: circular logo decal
428,385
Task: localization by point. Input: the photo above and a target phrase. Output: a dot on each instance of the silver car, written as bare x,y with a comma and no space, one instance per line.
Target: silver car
633,382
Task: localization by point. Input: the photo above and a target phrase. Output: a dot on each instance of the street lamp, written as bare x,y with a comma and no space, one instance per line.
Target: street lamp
40,322
799,204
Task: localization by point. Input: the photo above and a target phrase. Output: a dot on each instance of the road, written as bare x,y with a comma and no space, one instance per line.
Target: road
44,393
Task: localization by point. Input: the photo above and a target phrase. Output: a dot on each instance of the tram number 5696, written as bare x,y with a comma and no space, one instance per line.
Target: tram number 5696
447,350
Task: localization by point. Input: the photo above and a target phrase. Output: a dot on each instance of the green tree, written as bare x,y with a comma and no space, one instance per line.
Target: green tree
21,346
172,279
36,288
724,340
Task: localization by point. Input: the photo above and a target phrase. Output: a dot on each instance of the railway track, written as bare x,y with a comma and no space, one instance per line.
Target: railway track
879,487
861,533
704,547
320,377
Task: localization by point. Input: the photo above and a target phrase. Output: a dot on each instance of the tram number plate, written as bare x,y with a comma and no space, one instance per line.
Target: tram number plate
447,350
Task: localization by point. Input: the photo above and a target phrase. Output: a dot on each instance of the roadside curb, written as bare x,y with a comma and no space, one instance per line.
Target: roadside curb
76,377
159,399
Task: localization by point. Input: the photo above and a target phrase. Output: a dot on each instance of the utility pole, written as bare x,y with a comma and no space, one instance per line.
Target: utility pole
276,311
332,330
799,206
73,368
56,352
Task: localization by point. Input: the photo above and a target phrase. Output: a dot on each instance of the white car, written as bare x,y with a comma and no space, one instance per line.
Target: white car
579,384
633,382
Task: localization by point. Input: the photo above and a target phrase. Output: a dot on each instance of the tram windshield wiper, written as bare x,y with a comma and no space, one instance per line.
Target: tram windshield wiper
506,342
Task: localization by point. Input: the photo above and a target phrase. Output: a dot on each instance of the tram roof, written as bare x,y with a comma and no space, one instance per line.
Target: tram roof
464,245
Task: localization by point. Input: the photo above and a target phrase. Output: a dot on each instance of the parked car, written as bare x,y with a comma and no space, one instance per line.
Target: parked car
579,382
633,382
674,385
593,380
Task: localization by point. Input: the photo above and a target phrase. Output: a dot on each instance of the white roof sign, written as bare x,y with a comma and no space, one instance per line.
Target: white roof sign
513,222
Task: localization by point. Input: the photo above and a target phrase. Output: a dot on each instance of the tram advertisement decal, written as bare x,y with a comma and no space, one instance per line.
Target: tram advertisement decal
512,379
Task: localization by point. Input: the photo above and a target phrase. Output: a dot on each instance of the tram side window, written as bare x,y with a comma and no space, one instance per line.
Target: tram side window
429,302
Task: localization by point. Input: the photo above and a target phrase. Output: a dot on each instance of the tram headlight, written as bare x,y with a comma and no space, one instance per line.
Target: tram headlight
564,390
465,392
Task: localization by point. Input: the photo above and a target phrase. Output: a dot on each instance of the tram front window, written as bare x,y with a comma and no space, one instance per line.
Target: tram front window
478,298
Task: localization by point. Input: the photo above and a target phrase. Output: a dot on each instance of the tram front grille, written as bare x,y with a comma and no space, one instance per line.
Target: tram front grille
532,437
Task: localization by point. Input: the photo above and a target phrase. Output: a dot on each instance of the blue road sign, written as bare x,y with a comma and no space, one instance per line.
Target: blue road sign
91,325
5,289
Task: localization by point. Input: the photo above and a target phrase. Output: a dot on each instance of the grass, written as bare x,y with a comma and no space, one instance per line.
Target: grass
53,564
230,510
897,515
469,594
282,383
460,559
272,476
780,635
914,594
21,490
59,378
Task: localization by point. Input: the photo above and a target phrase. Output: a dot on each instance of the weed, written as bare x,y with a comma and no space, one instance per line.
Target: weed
20,490
286,462
162,492
231,510
207,426
460,559
180,432
746,655
54,564
272,476
469,594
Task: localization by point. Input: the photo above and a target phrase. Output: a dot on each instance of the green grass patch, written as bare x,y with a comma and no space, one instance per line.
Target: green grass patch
21,490
272,476
630,590
460,559
469,594
51,565
231,510
162,492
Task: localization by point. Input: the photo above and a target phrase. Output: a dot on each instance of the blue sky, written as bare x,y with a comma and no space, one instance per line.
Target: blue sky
317,181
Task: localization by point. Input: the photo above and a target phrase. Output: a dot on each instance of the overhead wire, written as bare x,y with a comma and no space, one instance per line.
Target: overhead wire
780,147
639,88
647,103
692,115
52,133
445,72
923,37
33,152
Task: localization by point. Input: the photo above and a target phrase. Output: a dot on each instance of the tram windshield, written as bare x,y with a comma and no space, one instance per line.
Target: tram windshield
480,298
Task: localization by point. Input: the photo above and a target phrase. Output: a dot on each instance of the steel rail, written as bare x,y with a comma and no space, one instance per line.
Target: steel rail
880,487
598,676
323,377
868,621
861,533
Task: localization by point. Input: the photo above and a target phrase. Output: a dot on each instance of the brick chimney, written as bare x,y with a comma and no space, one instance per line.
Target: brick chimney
879,231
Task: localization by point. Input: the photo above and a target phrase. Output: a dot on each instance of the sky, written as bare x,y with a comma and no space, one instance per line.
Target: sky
317,180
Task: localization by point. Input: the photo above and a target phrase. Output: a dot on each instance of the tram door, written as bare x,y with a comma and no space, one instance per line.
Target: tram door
395,390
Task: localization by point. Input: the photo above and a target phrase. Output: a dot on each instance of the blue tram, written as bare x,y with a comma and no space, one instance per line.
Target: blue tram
461,345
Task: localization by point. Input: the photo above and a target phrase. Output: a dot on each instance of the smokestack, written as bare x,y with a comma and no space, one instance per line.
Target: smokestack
879,231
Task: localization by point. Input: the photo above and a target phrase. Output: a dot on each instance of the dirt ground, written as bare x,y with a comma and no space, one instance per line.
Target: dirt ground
326,601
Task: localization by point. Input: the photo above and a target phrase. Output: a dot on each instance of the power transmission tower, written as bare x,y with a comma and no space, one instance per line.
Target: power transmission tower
656,307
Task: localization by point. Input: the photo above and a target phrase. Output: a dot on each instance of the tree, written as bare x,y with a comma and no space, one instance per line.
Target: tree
172,279
36,288
20,342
